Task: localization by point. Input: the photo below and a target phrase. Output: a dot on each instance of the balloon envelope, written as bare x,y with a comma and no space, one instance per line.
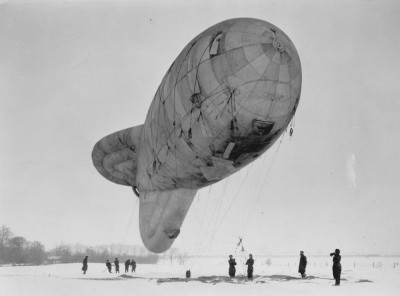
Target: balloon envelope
224,101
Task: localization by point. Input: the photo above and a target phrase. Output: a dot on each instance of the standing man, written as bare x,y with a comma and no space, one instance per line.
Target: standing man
85,265
116,263
336,267
250,263
108,264
302,264
133,264
127,263
232,268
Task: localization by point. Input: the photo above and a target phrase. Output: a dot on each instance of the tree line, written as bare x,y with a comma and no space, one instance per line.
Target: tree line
18,250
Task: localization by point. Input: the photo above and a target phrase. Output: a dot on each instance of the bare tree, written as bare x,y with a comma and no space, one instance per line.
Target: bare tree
18,242
17,246
36,253
63,250
5,235
182,257
171,253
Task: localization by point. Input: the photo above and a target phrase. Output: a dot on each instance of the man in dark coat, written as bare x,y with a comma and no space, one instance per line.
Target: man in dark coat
133,264
232,268
250,263
116,263
85,265
108,264
302,264
127,263
336,267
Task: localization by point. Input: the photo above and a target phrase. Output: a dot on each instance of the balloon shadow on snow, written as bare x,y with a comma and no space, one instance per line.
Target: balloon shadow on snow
225,279
240,279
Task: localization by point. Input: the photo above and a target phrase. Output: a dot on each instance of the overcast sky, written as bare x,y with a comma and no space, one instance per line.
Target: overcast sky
73,72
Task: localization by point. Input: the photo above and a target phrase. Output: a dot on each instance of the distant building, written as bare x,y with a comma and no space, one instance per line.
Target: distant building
53,259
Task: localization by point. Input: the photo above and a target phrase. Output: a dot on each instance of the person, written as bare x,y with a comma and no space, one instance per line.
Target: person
232,268
250,263
302,264
127,263
133,264
85,265
108,264
336,267
116,263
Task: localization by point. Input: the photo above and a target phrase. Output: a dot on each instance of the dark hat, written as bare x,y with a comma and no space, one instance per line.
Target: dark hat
230,256
337,251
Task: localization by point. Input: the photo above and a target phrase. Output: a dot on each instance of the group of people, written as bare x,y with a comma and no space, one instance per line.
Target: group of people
249,263
336,268
129,262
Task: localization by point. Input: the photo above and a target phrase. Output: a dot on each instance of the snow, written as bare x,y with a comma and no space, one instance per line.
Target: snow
361,276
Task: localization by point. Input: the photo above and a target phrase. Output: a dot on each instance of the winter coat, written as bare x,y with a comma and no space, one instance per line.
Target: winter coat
336,267
85,264
250,263
108,264
302,264
232,268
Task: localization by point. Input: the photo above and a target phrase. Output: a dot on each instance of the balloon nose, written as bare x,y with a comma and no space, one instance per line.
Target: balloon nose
277,44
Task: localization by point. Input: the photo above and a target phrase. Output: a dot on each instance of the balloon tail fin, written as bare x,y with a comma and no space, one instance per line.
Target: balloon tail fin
161,214
115,156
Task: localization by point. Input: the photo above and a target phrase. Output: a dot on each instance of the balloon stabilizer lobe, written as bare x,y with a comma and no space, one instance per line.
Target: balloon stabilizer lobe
224,101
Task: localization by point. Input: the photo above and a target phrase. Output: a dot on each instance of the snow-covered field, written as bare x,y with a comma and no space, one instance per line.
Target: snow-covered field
360,276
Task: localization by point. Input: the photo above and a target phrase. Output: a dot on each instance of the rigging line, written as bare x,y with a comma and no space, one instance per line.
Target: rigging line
264,158
269,169
197,249
177,81
199,62
217,211
236,195
213,217
202,222
240,220
174,97
165,117
266,176
216,91
159,93
198,236
246,207
183,240
220,205
227,52
129,225
203,246
214,214
249,207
